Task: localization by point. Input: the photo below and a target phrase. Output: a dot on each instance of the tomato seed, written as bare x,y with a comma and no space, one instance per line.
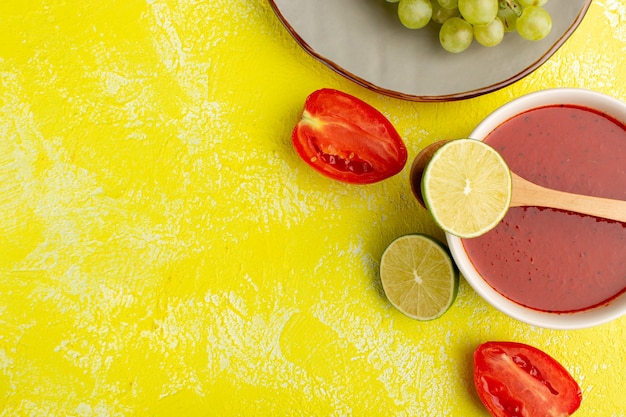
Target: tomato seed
356,166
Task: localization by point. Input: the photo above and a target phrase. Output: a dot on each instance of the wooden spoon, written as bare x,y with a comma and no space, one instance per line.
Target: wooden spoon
526,193
417,169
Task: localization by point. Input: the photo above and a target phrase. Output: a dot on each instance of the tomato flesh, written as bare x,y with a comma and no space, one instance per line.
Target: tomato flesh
517,380
346,139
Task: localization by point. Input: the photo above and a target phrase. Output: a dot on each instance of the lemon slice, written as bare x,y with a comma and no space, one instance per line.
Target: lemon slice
467,187
419,277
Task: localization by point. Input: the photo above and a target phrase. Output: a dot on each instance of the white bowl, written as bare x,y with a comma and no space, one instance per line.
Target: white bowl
569,320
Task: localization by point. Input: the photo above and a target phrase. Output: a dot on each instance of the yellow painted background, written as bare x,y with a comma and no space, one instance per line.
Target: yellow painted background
164,251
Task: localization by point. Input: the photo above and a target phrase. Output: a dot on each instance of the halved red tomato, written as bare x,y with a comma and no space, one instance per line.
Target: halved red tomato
346,139
515,379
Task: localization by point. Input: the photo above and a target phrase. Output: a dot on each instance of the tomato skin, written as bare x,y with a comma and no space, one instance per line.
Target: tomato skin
348,140
514,379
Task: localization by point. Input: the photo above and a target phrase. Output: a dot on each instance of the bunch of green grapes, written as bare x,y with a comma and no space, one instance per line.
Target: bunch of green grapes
487,21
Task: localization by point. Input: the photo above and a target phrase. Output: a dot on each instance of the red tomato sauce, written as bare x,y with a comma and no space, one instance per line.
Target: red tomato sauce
553,260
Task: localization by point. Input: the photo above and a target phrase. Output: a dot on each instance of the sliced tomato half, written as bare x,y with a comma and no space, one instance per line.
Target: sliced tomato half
347,139
518,380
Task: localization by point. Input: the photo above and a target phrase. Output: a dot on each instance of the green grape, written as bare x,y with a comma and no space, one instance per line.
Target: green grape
478,12
508,12
441,14
486,20
415,14
526,3
534,24
491,34
456,35
448,4
513,6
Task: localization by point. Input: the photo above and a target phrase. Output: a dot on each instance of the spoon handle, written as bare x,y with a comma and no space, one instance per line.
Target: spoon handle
526,193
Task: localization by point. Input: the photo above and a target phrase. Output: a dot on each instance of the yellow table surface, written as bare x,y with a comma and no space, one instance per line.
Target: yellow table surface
164,251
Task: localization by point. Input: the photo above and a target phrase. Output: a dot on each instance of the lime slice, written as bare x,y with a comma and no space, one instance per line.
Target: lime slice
467,187
419,277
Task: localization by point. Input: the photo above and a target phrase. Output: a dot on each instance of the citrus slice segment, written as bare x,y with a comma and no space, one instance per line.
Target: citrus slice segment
467,187
419,277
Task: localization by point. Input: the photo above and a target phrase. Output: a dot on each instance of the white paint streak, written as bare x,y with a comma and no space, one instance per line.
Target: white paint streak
615,12
169,43
403,367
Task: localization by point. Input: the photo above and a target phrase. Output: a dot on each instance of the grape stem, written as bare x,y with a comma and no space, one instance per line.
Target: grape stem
512,5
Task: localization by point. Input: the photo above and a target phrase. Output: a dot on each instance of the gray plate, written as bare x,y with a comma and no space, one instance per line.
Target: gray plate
364,41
